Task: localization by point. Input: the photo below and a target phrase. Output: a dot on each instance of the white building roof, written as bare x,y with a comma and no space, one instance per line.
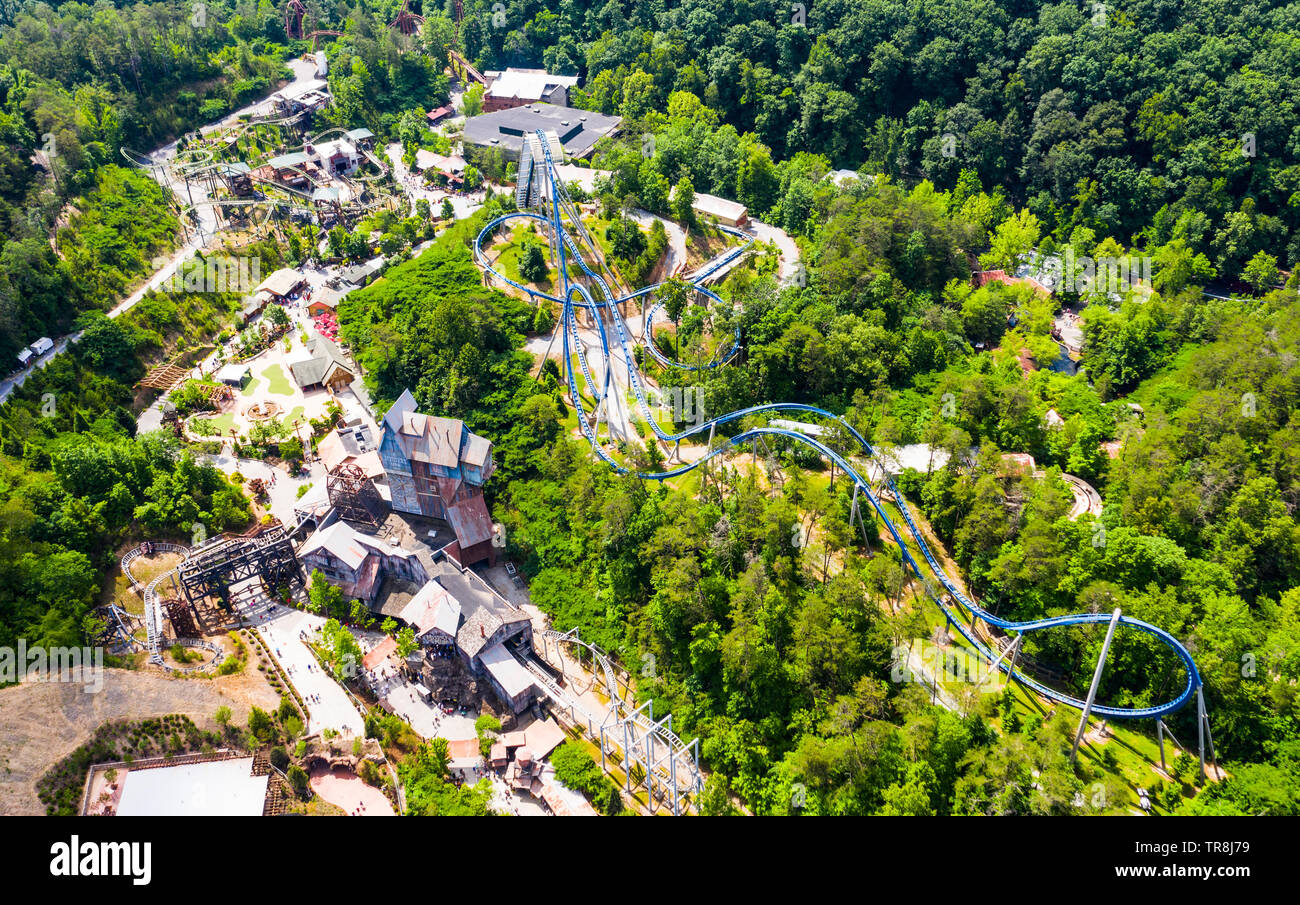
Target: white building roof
713,206
432,607
232,373
812,430
348,545
583,176
528,84
510,675
221,788
327,149
424,159
282,282
298,89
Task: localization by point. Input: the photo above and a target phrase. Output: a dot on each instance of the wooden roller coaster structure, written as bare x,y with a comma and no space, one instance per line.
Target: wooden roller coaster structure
296,17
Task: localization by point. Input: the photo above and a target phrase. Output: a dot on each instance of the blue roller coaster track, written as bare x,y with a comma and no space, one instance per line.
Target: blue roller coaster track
540,185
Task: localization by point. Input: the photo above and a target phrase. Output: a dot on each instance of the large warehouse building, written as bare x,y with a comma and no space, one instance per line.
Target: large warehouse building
578,130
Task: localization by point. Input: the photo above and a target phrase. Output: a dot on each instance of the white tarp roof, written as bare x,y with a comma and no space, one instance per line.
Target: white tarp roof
220,788
232,373
529,84
722,208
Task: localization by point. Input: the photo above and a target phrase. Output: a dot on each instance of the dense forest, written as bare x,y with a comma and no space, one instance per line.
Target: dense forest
1144,121
779,657
980,132
76,481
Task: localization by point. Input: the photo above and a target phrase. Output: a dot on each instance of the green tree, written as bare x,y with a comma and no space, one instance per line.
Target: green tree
406,642
683,202
1261,272
473,99
532,263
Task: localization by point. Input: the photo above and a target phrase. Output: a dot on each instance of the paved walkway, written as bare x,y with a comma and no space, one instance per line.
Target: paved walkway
675,258
428,720
344,788
464,205
789,250
284,494
330,706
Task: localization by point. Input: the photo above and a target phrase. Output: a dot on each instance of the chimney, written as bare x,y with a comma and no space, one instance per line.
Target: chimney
482,632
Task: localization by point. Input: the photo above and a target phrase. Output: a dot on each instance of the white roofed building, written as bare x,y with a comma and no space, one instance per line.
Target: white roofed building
728,213
517,87
434,615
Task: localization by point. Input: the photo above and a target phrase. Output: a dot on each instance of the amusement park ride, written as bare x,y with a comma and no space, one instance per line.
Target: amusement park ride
541,197
296,17
195,171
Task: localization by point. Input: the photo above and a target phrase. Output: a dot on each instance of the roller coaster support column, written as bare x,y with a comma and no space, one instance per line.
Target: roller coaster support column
1203,728
1096,680
672,770
1200,730
704,463
856,514
773,467
627,758
1160,737
1015,653
1013,649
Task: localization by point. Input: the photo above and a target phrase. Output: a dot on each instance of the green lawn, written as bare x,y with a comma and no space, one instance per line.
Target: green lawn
223,422
277,381
588,402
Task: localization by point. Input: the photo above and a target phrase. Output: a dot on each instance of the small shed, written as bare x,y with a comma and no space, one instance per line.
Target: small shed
234,375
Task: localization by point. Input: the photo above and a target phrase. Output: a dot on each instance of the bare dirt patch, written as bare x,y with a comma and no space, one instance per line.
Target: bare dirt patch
43,722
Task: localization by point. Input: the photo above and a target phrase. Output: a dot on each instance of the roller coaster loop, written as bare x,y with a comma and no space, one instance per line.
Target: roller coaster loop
951,600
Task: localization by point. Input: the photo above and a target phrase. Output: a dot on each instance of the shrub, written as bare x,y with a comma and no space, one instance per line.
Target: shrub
298,780
575,768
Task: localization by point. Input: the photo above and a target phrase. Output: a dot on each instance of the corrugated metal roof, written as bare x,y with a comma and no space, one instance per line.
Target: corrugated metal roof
432,607
296,159
471,522
510,675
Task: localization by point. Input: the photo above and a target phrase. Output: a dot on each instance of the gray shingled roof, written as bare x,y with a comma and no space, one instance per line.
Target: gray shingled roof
324,355
579,130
